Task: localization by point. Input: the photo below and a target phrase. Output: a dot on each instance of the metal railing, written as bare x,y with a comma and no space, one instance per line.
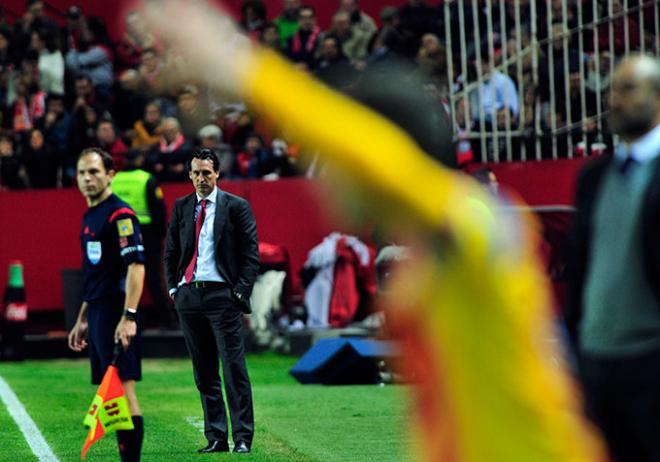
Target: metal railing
557,55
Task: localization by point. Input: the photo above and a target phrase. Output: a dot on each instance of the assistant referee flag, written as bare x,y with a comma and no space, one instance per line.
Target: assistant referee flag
109,410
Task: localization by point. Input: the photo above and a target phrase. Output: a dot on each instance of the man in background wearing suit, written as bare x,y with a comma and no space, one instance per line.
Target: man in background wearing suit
211,263
613,313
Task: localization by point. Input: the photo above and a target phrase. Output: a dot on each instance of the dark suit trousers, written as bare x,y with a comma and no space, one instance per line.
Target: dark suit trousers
212,327
623,398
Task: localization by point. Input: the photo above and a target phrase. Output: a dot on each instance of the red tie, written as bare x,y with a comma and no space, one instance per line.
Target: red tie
198,228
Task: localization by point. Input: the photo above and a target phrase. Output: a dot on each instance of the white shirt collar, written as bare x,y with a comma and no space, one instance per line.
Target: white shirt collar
642,150
211,197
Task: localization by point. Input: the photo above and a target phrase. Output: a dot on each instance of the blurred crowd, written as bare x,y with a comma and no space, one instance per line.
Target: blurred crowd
66,87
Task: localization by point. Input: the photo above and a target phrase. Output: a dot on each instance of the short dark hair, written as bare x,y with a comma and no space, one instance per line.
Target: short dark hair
269,25
482,175
83,76
105,157
55,97
204,154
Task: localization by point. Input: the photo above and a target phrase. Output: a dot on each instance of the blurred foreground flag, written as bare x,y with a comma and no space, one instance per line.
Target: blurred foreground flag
109,411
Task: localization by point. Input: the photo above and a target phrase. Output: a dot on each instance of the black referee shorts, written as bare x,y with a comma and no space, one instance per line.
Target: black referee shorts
103,316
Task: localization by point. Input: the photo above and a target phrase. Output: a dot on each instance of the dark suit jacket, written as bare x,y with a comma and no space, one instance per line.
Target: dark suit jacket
587,196
235,232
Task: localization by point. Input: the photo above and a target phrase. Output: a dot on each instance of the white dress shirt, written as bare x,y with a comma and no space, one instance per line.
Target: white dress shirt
205,268
643,149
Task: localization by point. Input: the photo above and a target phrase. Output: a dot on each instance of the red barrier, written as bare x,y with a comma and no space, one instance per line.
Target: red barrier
41,228
550,182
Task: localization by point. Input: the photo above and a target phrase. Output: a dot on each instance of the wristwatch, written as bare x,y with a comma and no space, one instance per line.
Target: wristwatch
130,314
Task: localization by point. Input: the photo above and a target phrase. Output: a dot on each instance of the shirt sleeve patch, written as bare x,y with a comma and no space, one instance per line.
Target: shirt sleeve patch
132,249
125,227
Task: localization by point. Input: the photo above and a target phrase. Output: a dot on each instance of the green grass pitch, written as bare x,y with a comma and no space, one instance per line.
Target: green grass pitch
294,422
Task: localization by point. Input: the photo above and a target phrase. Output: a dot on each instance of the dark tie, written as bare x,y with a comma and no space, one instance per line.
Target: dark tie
198,228
627,165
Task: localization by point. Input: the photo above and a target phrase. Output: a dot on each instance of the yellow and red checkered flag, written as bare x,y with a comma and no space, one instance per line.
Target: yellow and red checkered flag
109,410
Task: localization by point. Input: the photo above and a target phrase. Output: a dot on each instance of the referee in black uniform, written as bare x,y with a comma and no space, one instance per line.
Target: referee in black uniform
113,277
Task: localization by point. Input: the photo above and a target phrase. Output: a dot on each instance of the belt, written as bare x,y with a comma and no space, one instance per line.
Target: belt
207,284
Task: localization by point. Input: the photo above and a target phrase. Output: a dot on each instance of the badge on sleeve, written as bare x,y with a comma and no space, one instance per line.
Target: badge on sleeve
125,227
94,252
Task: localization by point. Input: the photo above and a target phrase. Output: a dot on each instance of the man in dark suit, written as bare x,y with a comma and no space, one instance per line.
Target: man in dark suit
613,310
211,262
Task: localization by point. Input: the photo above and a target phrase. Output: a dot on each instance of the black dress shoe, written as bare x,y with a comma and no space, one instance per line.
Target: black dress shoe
242,447
215,446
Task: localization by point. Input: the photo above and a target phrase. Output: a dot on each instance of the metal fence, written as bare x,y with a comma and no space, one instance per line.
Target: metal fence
529,78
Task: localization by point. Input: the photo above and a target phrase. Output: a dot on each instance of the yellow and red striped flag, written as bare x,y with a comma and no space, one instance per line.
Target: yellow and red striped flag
109,410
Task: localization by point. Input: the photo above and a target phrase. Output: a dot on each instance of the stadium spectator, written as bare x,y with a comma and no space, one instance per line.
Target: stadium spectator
497,149
613,310
85,94
5,47
333,67
146,131
152,72
56,126
210,282
270,36
619,27
210,137
71,31
83,129
287,21
40,161
354,46
497,91
237,127
107,139
417,18
12,170
253,17
30,102
192,111
362,27
385,47
168,158
135,40
93,57
431,60
555,64
113,278
303,45
129,101
34,18
389,16
255,160
581,122
51,62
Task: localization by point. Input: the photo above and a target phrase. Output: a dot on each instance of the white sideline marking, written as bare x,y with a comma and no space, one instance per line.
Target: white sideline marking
196,422
27,426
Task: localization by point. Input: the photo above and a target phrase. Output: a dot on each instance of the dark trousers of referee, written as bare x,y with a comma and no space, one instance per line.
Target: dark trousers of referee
212,326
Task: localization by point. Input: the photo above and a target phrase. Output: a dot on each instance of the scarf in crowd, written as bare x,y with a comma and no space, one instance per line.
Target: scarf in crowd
174,145
24,115
310,43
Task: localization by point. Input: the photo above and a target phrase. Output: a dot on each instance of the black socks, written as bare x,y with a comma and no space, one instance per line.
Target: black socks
130,441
